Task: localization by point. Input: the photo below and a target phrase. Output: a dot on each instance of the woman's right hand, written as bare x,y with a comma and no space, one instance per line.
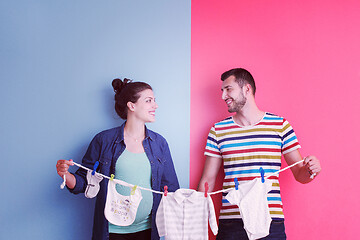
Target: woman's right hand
62,167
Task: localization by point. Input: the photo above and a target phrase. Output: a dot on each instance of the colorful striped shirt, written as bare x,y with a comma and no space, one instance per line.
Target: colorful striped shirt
244,149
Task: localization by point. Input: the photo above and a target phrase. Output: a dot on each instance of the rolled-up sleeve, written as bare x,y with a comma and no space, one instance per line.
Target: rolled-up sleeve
91,156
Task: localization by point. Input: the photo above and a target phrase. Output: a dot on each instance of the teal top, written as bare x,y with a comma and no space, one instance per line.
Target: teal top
134,168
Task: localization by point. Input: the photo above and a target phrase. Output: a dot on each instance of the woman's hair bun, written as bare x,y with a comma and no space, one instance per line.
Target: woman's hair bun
119,84
127,91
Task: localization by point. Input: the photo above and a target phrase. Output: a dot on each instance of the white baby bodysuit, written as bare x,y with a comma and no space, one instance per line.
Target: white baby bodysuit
251,197
184,214
121,210
93,186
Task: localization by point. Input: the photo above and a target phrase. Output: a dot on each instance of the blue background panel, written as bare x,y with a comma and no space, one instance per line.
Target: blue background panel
57,60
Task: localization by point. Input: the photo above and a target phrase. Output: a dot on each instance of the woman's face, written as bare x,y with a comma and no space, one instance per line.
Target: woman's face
144,108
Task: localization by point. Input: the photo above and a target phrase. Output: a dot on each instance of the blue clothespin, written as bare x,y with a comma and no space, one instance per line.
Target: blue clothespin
95,167
262,172
236,183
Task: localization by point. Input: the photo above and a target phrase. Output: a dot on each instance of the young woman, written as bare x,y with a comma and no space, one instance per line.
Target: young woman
134,154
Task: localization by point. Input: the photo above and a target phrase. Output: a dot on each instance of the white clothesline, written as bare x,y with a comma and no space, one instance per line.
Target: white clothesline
286,169
277,172
117,180
312,175
147,189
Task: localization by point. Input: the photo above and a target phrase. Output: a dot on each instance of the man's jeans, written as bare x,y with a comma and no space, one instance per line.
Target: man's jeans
233,229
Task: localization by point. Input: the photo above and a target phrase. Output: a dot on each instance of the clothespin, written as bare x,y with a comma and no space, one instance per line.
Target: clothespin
262,172
95,167
236,183
206,189
112,177
133,190
165,190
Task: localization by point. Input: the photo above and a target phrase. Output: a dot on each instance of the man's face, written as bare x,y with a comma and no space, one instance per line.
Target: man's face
233,95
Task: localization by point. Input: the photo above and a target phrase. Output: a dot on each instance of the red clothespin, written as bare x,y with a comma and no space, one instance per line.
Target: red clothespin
206,189
165,190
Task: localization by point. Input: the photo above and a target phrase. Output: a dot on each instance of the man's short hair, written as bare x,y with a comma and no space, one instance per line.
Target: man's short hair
242,76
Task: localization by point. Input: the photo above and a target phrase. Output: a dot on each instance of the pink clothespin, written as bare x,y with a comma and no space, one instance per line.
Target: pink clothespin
165,190
206,189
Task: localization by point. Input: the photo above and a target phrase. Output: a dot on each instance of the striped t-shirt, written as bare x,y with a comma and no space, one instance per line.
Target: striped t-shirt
244,149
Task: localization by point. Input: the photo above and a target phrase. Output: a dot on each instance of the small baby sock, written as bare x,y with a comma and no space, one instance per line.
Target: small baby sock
93,186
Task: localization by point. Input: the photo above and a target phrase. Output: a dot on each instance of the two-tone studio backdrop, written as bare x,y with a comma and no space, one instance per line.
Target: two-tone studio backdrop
58,58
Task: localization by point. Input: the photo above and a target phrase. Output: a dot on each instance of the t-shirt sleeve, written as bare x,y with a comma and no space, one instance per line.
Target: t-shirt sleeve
212,147
289,140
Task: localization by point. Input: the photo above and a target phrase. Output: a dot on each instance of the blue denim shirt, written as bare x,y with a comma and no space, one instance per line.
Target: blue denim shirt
106,147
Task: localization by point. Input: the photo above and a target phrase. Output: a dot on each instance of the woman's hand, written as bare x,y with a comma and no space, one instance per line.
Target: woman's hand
62,168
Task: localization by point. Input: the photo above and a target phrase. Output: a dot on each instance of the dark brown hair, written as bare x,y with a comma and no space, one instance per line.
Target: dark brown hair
242,76
127,91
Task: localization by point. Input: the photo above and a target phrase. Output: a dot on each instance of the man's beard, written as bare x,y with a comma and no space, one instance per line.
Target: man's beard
237,105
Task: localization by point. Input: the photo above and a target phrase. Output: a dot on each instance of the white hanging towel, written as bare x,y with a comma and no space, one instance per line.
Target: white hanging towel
121,210
184,214
251,198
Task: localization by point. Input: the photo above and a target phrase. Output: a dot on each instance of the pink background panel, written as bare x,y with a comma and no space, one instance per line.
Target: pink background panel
305,58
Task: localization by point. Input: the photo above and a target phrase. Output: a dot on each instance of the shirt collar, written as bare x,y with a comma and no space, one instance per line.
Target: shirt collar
182,194
148,133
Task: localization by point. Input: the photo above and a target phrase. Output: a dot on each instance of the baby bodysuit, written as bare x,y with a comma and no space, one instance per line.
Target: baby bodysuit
251,198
